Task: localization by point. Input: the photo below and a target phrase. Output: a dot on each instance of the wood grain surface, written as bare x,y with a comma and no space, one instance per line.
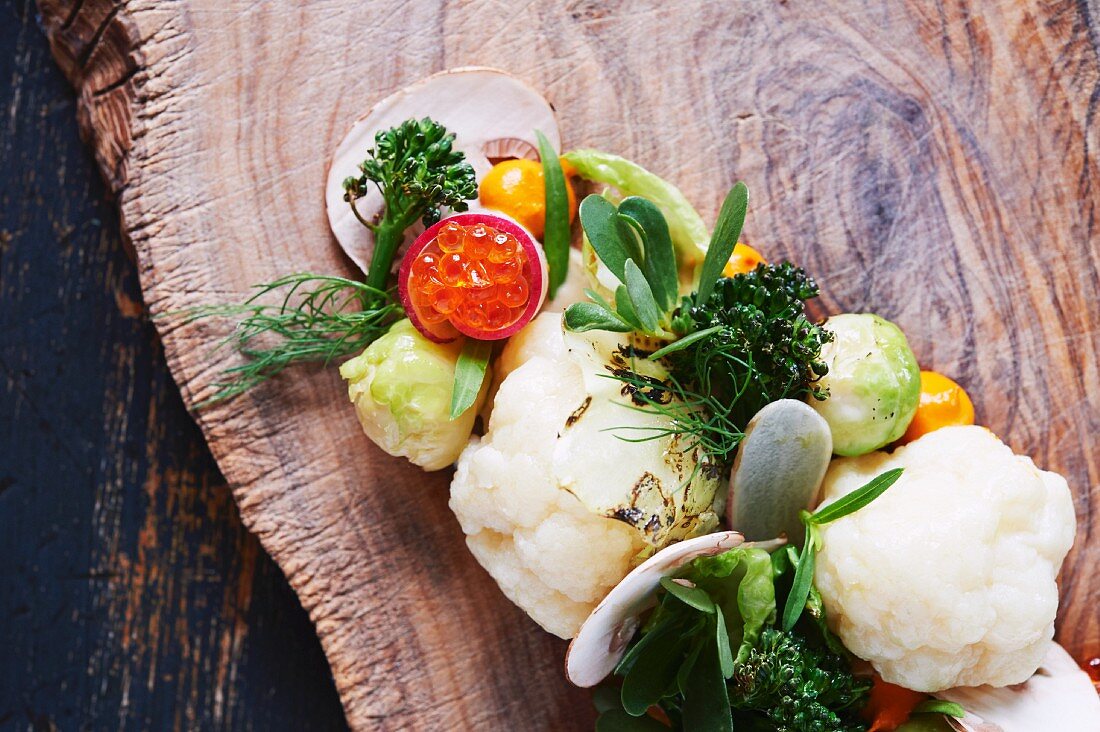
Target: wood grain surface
934,162
131,596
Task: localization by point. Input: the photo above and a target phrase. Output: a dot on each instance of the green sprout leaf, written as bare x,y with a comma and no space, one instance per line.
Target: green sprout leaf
641,297
582,316
722,638
617,720
723,240
654,672
470,369
691,596
605,233
707,701
804,569
555,240
625,308
857,499
660,258
800,587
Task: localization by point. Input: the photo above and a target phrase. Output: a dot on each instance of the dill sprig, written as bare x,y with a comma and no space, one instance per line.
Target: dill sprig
693,414
320,318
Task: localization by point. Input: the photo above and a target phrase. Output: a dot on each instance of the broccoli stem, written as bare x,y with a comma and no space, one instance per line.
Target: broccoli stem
387,238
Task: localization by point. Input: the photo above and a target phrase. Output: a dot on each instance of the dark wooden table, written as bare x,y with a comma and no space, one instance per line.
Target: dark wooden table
130,595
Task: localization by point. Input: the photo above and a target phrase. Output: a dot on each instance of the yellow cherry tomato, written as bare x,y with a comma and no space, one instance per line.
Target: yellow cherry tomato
943,403
515,187
744,259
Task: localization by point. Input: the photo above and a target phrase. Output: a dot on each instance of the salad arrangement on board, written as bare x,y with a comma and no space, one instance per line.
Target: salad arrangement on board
744,518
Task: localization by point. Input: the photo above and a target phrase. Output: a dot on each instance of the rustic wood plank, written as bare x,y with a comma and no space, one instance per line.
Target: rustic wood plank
131,596
931,161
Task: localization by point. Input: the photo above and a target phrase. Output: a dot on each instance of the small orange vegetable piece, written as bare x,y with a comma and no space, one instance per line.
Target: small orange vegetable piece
943,403
889,705
515,187
744,259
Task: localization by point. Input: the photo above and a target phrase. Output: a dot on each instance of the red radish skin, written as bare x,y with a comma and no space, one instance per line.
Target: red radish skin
535,270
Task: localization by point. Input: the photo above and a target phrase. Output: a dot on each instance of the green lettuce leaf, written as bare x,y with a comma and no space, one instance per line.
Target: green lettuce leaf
747,602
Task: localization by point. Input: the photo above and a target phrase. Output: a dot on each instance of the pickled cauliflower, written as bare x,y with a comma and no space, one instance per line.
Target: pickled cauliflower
947,579
401,387
555,506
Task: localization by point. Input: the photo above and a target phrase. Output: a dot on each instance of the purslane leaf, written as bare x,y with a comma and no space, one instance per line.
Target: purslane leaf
722,638
604,231
726,232
617,720
659,262
641,297
555,241
654,672
625,308
707,703
582,316
470,369
692,596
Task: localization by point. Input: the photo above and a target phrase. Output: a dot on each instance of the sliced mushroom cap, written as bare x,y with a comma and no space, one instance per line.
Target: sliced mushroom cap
604,636
1058,696
778,470
492,113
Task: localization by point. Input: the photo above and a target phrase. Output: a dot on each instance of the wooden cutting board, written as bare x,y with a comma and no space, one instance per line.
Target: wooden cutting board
933,162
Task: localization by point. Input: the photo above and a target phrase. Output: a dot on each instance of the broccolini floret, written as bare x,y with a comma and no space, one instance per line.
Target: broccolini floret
417,171
788,686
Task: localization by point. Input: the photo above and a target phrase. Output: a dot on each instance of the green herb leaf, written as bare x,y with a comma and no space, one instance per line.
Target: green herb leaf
625,308
939,706
800,586
606,697
660,258
723,240
683,676
857,499
598,298
654,672
684,342
582,316
707,701
470,369
604,231
722,638
617,720
692,596
641,297
555,239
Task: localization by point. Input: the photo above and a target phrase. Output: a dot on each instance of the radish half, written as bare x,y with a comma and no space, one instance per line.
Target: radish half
445,326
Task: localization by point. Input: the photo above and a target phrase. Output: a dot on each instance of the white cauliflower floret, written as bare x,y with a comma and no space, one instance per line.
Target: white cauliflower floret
554,505
947,579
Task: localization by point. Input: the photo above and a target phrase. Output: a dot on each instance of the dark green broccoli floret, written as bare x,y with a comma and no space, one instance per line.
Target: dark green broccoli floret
417,172
788,686
764,348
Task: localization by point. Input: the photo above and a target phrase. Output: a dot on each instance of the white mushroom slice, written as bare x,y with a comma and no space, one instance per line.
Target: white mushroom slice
604,636
778,470
493,115
1059,696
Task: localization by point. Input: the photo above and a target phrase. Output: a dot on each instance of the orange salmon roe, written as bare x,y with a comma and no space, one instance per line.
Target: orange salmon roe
471,276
